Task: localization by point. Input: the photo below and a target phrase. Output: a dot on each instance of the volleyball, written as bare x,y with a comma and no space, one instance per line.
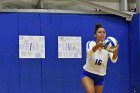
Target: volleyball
110,44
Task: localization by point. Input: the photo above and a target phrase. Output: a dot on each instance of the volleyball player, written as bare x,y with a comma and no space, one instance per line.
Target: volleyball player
96,62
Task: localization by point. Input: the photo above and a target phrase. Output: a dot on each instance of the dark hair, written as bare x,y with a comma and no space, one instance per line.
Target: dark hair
97,27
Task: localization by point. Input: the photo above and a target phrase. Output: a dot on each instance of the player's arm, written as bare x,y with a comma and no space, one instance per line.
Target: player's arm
91,47
115,53
114,56
97,46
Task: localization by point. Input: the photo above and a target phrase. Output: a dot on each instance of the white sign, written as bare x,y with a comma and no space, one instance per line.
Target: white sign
69,47
31,46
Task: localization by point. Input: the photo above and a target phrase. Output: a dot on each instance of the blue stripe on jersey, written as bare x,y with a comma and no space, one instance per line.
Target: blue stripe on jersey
89,44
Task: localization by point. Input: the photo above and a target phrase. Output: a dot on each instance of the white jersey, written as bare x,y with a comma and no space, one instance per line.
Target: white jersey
96,62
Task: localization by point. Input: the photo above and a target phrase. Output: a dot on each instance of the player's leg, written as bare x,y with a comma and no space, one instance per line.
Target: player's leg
99,89
88,84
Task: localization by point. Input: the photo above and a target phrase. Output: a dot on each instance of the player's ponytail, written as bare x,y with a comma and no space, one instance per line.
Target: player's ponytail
97,27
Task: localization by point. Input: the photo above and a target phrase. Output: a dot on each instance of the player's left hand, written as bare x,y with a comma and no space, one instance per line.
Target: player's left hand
116,50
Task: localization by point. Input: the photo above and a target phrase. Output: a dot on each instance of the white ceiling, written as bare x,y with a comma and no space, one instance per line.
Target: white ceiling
84,6
34,4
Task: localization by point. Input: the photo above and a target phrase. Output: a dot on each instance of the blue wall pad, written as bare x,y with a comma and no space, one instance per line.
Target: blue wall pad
54,75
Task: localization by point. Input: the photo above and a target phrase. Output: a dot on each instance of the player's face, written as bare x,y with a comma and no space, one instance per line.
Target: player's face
100,34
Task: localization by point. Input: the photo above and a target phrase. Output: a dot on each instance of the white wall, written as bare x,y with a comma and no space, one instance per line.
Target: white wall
132,6
113,5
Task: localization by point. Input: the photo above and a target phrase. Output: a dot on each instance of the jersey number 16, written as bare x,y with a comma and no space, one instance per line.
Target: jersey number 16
98,62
